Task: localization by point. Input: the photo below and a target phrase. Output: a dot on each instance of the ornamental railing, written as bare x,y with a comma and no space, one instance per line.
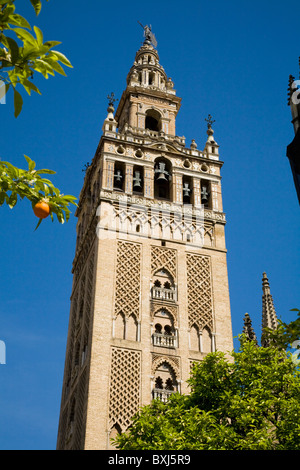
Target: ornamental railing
161,293
162,394
167,341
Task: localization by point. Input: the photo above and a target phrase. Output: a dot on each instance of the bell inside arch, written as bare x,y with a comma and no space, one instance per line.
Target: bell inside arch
118,176
137,181
163,175
186,190
118,179
204,194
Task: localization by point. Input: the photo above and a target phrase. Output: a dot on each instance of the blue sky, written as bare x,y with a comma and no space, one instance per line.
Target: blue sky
230,59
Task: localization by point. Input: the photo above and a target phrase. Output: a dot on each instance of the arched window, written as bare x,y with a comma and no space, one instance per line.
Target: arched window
153,120
206,340
138,179
162,178
159,383
165,334
131,328
168,330
194,338
115,431
169,384
187,189
119,176
163,286
151,78
165,382
206,194
120,326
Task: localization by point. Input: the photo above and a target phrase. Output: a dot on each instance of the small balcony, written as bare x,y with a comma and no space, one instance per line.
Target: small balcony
162,394
162,293
163,340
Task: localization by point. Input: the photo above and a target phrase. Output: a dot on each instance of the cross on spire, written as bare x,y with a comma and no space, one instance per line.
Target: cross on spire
209,121
111,99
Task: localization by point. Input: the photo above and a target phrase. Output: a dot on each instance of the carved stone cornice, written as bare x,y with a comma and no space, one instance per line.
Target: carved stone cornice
189,210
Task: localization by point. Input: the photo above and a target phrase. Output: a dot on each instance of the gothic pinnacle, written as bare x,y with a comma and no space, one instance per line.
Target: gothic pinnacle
248,330
269,317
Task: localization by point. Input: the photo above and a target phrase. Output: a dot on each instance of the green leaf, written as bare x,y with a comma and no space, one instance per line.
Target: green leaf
38,224
56,66
29,86
63,59
52,43
31,163
13,77
14,49
2,197
39,35
25,36
37,5
13,199
18,20
18,102
42,67
45,171
11,170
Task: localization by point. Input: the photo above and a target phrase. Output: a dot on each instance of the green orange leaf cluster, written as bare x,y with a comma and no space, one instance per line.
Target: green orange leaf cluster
23,52
16,183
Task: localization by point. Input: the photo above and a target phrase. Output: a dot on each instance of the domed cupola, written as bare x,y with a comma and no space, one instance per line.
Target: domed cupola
149,103
146,70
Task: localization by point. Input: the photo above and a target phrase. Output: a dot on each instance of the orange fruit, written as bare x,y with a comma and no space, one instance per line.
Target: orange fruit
41,209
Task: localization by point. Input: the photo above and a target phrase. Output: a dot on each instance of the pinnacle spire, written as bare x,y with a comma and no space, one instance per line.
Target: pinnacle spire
248,330
269,317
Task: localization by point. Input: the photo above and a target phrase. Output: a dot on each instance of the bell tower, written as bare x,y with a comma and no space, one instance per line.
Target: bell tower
150,286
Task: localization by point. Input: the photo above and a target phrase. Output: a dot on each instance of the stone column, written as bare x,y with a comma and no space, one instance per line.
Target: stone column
196,192
109,169
128,178
148,182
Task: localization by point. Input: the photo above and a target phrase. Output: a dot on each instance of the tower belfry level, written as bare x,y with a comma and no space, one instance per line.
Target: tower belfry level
150,286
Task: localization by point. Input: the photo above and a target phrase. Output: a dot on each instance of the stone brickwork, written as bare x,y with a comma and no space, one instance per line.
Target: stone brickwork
150,291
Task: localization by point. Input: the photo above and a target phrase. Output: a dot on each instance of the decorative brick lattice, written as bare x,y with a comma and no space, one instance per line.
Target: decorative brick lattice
127,297
125,386
163,258
89,291
199,291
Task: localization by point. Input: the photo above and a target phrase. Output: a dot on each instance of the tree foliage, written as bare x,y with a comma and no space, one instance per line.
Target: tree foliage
286,335
22,54
249,401
17,183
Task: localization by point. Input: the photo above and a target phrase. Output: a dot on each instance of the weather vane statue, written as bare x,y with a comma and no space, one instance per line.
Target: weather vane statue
148,35
209,121
111,99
